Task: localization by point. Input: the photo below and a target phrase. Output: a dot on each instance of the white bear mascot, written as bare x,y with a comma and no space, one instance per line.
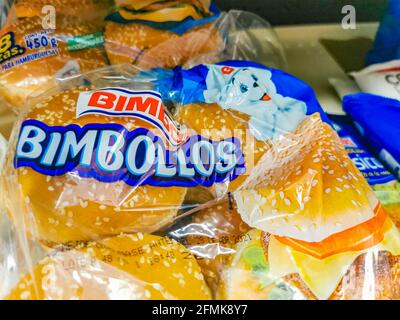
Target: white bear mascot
251,91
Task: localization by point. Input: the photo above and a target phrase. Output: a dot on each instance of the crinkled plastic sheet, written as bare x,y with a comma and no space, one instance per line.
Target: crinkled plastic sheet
292,218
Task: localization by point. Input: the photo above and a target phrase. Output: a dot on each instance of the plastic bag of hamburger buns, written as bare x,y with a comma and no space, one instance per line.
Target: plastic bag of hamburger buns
304,223
222,181
167,34
34,54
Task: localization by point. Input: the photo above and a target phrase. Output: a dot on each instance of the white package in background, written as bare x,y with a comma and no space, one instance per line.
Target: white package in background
382,79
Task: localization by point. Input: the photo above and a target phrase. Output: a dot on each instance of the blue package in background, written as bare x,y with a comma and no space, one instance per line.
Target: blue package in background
377,119
384,184
373,170
386,46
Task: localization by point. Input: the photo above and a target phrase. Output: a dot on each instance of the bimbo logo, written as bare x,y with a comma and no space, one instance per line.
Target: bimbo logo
119,102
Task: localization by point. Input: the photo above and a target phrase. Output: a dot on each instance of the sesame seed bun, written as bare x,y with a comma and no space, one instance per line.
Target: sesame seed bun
35,76
211,237
136,266
69,208
305,187
147,47
213,122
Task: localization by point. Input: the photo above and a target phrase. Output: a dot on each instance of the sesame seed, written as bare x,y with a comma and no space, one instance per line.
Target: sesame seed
327,190
314,182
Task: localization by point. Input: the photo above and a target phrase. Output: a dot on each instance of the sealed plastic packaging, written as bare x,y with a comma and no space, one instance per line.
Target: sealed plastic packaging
167,34
222,181
384,184
34,55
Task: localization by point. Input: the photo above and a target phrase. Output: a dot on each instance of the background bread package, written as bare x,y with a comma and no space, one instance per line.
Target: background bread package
34,54
216,37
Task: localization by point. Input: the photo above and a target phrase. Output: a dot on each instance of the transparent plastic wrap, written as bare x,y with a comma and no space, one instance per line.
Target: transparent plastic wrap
166,34
384,183
34,53
221,181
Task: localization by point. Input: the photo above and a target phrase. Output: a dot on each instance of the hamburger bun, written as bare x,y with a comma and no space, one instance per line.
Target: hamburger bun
22,80
68,207
213,122
211,237
148,47
133,267
294,189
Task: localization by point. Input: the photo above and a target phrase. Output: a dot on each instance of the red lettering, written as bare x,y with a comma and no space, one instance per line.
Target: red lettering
103,100
121,103
149,105
227,70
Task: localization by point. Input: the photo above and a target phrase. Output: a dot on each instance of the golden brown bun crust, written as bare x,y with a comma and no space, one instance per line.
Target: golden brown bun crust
215,231
385,277
22,80
213,122
69,209
138,267
294,190
80,10
147,47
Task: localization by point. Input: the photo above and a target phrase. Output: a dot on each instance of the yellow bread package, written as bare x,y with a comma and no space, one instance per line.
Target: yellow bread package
32,57
167,34
235,161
